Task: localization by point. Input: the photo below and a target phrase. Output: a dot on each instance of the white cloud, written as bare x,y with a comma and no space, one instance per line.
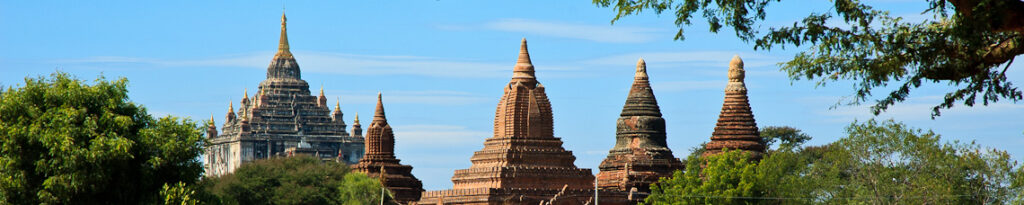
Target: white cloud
433,97
438,135
693,58
598,33
339,63
917,108
673,86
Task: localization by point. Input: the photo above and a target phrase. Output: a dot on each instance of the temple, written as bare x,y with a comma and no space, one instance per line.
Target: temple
736,128
380,161
522,163
640,155
283,118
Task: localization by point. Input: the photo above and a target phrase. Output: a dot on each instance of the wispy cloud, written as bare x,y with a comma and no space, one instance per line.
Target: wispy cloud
695,58
435,135
597,33
918,108
320,62
431,97
675,86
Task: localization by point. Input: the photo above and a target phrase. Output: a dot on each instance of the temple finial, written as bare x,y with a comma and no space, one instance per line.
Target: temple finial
337,104
379,113
641,69
321,90
282,45
357,118
736,72
524,66
245,93
211,120
231,106
736,75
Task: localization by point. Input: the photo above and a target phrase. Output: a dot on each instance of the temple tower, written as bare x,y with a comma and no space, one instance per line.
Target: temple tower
736,128
522,163
380,156
281,116
641,154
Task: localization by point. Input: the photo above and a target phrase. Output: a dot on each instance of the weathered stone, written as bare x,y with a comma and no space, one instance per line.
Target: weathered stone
523,163
641,154
380,161
278,118
736,128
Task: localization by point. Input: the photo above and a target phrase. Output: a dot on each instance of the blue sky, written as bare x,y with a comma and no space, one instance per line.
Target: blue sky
441,66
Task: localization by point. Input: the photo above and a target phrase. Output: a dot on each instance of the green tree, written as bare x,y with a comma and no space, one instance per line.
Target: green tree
968,43
294,180
877,163
888,162
786,137
64,141
727,178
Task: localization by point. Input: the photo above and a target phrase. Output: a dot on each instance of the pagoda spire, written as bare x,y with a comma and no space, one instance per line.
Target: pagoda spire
231,112
736,128
283,65
524,71
282,44
379,160
640,155
641,101
379,113
357,129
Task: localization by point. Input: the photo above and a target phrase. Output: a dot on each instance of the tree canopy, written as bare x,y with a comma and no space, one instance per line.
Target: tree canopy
64,141
968,44
877,163
295,180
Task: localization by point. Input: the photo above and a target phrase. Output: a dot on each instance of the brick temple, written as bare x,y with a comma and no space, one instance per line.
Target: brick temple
523,163
282,116
736,128
380,156
640,155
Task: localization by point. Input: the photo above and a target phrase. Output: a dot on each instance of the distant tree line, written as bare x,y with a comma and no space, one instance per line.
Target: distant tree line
879,162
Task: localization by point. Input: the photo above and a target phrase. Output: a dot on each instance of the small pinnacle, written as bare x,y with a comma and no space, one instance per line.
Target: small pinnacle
641,69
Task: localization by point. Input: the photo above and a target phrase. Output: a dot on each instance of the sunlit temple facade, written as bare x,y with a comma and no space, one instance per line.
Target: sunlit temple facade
281,119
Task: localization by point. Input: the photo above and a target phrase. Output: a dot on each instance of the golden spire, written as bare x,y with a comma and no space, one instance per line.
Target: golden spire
231,106
524,67
321,90
357,119
641,70
283,49
337,105
245,93
211,120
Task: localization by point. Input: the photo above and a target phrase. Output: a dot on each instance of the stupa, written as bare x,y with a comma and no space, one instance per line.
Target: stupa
380,159
736,128
641,155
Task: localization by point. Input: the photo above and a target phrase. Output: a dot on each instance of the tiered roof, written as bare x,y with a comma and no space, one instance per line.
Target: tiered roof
736,128
641,154
380,157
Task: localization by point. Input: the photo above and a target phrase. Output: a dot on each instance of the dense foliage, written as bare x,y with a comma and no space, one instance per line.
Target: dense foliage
966,43
64,141
877,163
295,180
